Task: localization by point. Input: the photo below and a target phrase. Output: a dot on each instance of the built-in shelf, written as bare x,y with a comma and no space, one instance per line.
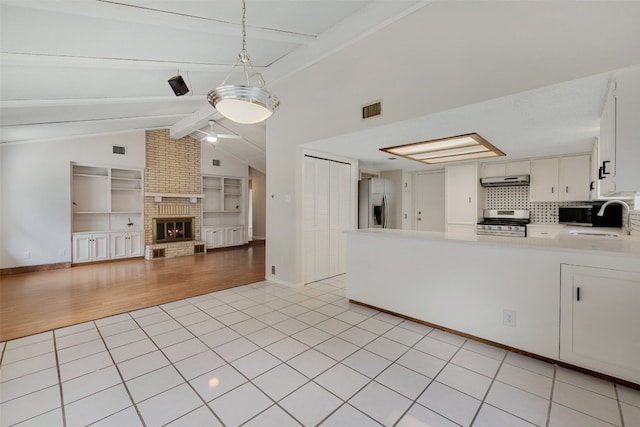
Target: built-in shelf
222,211
107,205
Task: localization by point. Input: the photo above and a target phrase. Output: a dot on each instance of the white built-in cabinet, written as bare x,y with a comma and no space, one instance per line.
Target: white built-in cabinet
107,206
462,192
223,211
90,247
327,210
560,179
127,244
618,148
599,319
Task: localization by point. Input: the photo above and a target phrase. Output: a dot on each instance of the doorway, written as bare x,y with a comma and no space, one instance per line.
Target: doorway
430,201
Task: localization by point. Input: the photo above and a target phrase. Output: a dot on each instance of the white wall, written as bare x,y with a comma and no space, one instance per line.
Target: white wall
408,65
259,192
35,186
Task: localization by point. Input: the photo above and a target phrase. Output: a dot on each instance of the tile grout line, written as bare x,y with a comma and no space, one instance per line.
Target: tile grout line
553,388
615,389
174,367
135,406
62,405
415,401
493,380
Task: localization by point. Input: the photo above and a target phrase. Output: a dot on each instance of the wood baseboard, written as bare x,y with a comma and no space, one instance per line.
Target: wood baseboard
32,268
508,348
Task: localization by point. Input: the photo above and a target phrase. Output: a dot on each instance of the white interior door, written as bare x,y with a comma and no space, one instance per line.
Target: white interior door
339,215
327,210
430,200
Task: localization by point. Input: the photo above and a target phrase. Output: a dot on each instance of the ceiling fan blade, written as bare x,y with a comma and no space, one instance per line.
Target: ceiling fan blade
227,136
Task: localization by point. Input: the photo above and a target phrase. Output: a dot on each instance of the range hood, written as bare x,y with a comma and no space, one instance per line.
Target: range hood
505,181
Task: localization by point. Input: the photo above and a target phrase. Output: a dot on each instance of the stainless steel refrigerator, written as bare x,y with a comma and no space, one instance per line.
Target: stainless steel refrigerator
376,203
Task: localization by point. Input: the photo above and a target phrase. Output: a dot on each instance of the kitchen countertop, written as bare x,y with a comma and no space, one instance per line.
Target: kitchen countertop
627,246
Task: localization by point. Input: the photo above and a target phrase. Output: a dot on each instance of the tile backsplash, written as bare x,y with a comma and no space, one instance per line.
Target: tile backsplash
541,212
518,198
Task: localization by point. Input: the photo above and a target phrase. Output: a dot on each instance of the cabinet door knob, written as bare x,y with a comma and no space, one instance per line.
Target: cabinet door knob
553,190
566,189
604,167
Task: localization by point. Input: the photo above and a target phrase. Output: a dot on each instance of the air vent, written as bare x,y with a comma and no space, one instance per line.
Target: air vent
119,149
372,110
216,162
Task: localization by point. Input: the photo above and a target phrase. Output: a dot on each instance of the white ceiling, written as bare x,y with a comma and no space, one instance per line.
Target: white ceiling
84,67
87,67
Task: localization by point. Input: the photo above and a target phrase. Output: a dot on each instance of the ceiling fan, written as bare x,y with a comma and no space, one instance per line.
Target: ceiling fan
212,136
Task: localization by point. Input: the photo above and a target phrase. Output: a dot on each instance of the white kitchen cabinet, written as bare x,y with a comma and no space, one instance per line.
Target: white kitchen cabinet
574,176
127,244
544,180
599,320
520,167
462,191
90,247
562,179
594,181
619,150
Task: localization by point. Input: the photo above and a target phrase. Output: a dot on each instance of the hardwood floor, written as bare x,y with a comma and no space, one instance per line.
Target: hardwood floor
44,300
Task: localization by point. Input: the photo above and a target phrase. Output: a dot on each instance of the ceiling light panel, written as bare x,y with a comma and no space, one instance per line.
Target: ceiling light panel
452,149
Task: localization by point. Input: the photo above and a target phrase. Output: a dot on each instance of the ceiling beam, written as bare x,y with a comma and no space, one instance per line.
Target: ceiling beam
66,61
196,120
166,19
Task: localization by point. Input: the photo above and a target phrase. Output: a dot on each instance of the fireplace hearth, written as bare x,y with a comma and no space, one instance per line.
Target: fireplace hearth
167,230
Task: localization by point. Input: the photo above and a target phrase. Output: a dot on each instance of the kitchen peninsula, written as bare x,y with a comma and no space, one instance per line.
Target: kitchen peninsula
571,298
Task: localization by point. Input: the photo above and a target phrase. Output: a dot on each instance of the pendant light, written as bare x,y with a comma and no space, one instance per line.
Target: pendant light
244,103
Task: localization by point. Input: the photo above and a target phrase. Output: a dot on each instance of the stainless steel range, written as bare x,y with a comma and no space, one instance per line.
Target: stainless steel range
504,223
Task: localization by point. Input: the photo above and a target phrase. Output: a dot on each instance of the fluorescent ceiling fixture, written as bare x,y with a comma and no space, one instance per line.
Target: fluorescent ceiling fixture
452,149
244,102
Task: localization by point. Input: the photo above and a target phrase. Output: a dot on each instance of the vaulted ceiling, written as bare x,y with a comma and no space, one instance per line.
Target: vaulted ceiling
91,67
82,67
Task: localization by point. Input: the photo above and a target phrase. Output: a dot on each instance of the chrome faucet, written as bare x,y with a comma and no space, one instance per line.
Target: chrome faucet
625,213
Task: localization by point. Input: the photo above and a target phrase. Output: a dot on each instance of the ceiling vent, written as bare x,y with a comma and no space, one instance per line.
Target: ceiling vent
372,110
216,162
119,149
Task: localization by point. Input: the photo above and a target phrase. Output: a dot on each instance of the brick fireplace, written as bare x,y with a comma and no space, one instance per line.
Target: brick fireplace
172,186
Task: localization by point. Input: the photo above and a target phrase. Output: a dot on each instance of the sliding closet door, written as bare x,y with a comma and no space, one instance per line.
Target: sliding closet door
326,212
340,217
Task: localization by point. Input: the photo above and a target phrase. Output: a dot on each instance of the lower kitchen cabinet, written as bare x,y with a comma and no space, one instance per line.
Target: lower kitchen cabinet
90,247
126,245
599,320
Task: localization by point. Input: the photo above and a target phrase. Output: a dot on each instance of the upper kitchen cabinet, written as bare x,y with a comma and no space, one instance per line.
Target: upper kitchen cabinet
463,192
521,167
564,179
619,144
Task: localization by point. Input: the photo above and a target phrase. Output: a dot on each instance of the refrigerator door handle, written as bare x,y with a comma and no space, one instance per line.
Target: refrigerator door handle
384,211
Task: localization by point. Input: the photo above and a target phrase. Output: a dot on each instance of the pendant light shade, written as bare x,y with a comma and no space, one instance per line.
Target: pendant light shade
244,103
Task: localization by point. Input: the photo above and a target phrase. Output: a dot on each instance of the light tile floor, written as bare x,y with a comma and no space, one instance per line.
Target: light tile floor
266,355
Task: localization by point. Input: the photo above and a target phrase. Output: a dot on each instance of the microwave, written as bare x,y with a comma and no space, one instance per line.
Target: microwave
587,215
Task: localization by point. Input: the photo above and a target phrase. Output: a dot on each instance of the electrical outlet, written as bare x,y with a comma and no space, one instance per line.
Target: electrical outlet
273,269
26,255
509,318
61,252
